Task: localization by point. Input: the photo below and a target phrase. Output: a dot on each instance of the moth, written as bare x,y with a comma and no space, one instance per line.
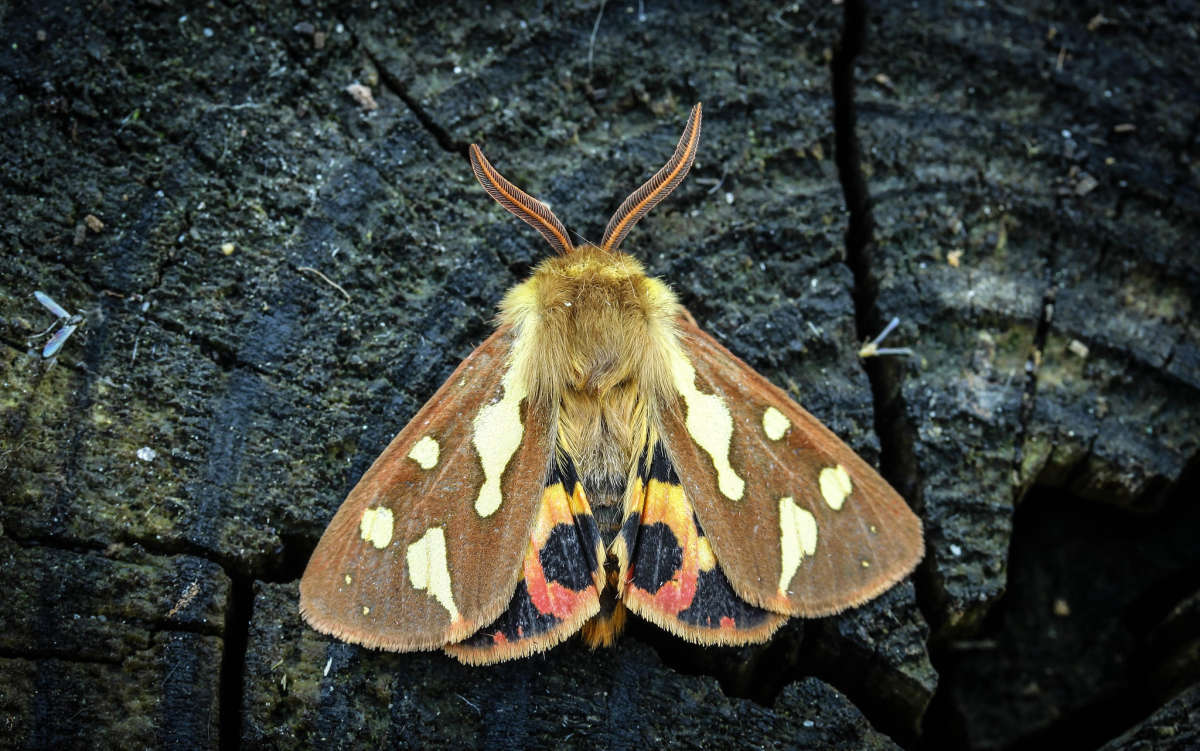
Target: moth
599,453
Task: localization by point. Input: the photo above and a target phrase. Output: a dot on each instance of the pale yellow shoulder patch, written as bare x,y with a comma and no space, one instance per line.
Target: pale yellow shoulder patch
709,423
497,435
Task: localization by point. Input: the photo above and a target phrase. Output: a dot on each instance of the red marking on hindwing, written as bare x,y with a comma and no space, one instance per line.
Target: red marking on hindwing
550,597
665,504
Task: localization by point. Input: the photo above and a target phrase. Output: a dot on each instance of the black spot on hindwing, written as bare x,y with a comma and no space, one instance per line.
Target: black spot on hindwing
656,543
659,557
568,562
565,559
521,620
589,534
715,600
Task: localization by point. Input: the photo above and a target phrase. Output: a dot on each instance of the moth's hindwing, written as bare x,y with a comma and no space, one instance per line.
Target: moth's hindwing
797,521
561,578
670,574
428,546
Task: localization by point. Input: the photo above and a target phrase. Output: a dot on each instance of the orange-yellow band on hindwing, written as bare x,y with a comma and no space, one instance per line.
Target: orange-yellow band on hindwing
560,580
673,578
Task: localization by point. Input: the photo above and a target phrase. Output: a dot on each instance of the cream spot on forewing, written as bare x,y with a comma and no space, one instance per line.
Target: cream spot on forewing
835,486
366,610
376,526
425,452
428,570
775,423
710,424
797,538
498,433
348,579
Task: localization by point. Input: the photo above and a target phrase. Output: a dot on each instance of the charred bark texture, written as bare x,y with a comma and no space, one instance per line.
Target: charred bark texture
1018,184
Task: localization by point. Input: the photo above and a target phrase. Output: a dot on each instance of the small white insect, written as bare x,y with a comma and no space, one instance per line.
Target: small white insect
872,348
69,322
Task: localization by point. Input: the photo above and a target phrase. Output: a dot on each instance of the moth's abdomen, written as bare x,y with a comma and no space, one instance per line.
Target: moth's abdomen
607,497
604,435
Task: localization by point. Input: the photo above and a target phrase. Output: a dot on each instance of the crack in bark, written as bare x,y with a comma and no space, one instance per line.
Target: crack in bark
221,355
394,84
234,637
60,543
896,434
1032,368
233,661
70,656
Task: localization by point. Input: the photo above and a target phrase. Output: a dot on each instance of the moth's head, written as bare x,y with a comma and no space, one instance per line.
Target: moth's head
592,306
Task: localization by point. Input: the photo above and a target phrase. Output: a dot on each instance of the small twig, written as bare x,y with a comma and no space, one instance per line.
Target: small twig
592,39
328,281
189,594
242,106
470,704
